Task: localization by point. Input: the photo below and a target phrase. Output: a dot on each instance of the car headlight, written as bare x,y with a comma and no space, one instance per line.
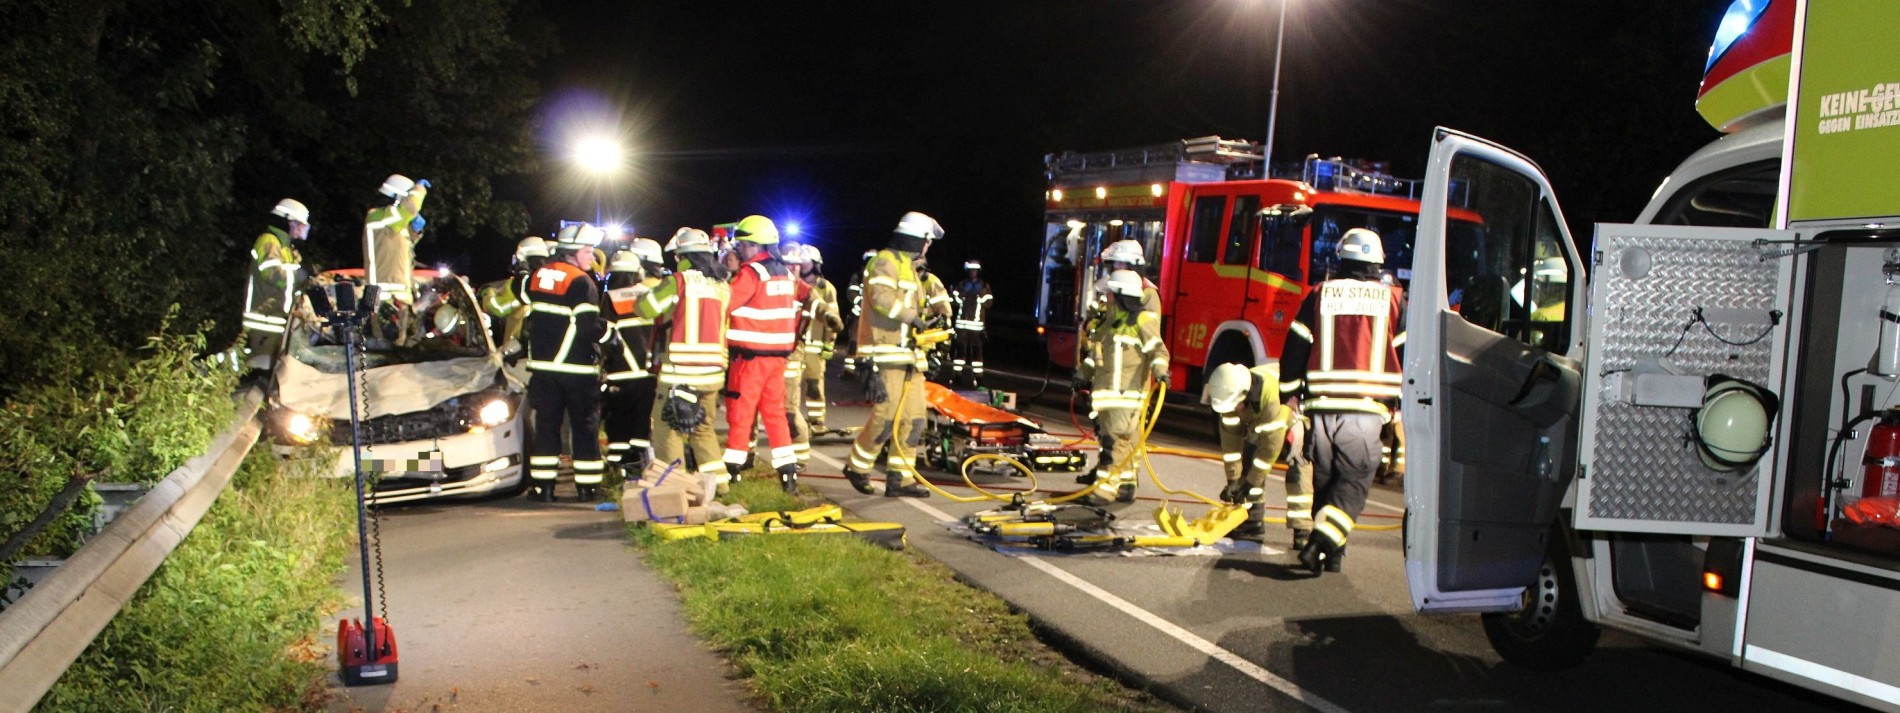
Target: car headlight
302,429
494,413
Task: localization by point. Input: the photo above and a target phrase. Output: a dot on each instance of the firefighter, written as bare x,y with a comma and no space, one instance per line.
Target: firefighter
272,288
689,307
890,363
761,334
856,292
797,262
504,300
1253,432
390,232
1124,351
937,313
564,334
627,395
1342,371
972,302
823,325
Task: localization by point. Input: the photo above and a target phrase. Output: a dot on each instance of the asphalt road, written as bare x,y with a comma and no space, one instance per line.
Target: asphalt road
1253,632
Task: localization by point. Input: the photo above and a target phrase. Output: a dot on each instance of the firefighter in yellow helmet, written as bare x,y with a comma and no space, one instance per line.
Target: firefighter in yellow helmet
890,362
689,313
1340,367
823,325
276,272
390,232
1124,351
1253,432
761,337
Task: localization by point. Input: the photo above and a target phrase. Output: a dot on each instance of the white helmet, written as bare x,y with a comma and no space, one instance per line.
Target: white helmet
1362,245
647,250
690,240
1226,386
868,254
972,265
918,225
292,210
623,261
793,254
446,319
1731,428
813,256
1128,251
396,186
531,246
1124,282
578,235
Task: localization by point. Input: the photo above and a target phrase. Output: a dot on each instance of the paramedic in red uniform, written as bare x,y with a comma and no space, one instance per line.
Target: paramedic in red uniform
1341,369
763,331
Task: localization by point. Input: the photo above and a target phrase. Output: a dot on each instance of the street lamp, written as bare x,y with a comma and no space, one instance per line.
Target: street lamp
601,157
1273,101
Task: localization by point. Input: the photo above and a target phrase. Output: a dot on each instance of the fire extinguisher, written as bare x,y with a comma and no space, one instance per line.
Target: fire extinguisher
1880,467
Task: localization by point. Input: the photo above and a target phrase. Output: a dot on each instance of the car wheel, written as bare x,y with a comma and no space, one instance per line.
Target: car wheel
1550,633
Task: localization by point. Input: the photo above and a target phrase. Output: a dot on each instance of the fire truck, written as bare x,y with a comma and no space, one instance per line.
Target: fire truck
1700,443
1232,254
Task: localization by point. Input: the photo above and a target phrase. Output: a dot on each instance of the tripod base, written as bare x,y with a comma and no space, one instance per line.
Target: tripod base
358,668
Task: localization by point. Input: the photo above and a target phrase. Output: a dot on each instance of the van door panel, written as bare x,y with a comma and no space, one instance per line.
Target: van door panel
1824,624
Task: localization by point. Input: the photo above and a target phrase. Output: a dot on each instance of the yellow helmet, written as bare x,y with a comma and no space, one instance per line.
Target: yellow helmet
756,229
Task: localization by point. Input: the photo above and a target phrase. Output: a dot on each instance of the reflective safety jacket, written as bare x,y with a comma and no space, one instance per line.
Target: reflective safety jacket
822,323
273,283
937,301
691,308
1341,352
893,299
764,308
630,352
972,299
506,300
564,326
389,246
1260,420
1124,349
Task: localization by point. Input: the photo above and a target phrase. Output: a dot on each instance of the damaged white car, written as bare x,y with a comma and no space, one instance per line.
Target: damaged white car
440,414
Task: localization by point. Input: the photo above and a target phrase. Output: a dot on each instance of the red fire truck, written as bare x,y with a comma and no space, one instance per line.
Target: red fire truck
1232,254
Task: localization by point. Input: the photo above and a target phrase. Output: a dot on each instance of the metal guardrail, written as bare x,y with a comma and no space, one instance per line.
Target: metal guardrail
48,628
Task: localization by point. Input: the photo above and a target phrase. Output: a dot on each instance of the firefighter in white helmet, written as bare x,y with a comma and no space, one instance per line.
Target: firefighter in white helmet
276,273
1340,368
823,323
564,335
505,300
890,363
626,408
390,231
1253,433
689,313
971,301
1124,351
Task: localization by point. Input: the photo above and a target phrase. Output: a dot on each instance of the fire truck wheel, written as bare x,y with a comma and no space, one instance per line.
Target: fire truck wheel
1550,634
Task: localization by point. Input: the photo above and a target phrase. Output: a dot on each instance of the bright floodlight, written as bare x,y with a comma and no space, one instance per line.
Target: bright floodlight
598,155
791,229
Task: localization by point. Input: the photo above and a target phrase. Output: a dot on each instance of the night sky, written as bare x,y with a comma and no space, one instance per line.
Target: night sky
843,115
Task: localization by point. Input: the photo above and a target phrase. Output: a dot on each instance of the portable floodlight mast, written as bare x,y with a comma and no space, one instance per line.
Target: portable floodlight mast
366,654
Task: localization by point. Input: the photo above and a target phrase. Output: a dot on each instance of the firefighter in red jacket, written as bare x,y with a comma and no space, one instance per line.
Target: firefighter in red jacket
564,334
1341,367
761,334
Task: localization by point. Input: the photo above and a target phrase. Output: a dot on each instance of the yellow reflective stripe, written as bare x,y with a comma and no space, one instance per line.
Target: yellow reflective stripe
885,281
1351,389
1230,457
1337,517
1269,427
1331,533
1384,377
1302,331
561,367
1398,341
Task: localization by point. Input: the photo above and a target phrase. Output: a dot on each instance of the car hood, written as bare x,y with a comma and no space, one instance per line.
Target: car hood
394,389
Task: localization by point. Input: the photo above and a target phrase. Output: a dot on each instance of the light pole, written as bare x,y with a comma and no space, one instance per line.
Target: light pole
1273,100
601,158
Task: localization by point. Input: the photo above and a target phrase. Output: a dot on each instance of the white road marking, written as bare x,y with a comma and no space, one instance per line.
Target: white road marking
1189,638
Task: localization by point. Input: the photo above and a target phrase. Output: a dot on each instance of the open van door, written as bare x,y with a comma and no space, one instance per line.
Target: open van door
1492,378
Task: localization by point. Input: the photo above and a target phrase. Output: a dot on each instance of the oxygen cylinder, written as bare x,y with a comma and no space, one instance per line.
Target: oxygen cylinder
1880,467
1887,356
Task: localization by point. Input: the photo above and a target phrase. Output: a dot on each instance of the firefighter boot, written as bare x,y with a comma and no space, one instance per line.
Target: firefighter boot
1336,560
860,482
1299,539
1255,525
788,478
894,487
1125,493
589,493
543,491
1311,557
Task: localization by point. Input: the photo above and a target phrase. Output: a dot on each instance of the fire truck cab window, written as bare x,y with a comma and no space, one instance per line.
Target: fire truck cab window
1204,239
1397,231
1241,230
1511,277
1740,197
1282,235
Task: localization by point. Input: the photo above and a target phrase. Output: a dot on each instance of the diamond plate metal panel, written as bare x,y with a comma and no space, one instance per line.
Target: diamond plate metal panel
1642,464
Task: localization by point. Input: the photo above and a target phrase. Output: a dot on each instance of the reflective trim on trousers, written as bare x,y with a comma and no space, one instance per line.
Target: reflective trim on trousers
783,456
735,456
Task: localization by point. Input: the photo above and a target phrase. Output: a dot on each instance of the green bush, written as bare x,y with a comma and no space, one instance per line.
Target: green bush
230,621
124,417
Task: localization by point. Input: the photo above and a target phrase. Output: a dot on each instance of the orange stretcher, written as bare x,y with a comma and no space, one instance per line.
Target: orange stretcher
959,428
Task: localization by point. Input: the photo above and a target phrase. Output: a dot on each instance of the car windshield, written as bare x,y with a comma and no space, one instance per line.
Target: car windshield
442,324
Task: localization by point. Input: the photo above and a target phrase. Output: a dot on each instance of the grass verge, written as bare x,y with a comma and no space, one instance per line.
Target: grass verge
830,623
230,621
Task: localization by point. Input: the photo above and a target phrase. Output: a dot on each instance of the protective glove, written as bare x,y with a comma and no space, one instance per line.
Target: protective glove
425,183
417,224
872,382
682,410
1233,492
826,353
1161,377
